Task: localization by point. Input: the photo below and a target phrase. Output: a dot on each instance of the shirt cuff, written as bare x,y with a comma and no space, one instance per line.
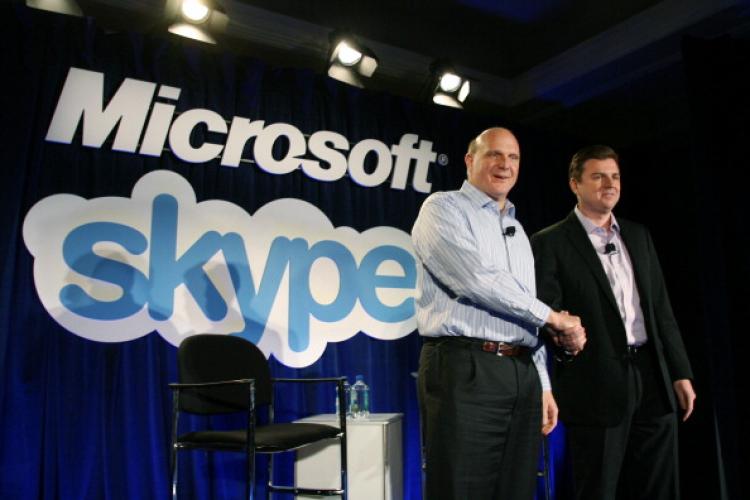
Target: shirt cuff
540,361
540,311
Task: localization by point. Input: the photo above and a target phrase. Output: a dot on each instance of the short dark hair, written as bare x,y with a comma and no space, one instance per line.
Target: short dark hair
596,152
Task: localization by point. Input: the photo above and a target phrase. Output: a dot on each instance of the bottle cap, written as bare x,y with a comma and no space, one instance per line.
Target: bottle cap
360,378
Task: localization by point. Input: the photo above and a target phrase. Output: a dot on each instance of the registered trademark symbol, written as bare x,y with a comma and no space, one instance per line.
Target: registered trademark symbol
442,159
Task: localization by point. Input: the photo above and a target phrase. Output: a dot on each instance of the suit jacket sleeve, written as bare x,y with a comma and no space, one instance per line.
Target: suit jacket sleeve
548,286
674,350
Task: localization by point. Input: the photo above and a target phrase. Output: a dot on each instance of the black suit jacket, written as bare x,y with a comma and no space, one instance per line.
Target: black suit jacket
590,389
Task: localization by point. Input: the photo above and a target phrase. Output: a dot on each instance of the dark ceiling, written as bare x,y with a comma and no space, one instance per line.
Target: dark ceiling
533,62
609,69
503,38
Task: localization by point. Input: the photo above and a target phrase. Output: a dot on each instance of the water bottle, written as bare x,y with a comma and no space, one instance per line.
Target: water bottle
347,389
359,399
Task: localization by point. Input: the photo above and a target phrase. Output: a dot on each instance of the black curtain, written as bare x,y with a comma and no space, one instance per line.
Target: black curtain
718,84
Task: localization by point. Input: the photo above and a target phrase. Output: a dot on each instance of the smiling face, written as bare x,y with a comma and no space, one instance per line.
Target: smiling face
598,189
492,167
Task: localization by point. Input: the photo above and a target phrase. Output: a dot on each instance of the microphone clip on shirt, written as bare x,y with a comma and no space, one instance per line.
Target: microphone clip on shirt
510,231
610,249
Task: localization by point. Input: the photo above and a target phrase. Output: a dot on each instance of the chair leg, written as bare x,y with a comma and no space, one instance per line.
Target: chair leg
173,473
173,450
270,476
344,468
546,462
250,484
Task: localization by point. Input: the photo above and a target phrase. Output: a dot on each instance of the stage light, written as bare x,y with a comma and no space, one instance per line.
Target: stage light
195,11
451,89
347,55
69,7
464,92
449,82
196,19
349,61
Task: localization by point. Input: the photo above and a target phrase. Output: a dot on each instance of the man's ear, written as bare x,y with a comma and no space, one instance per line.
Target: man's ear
573,185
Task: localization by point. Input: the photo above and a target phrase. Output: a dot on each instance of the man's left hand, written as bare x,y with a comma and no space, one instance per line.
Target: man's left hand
549,412
683,389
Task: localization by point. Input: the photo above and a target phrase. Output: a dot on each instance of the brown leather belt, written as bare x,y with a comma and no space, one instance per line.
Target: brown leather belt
503,349
491,346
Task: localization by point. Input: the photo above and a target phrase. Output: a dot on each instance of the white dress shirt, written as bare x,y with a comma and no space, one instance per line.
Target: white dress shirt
619,270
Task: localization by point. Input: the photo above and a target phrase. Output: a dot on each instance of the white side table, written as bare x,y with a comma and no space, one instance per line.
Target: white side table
374,458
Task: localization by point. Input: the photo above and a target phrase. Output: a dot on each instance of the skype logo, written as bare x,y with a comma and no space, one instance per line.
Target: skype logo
114,269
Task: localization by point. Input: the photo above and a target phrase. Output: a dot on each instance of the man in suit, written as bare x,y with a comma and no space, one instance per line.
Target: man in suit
618,396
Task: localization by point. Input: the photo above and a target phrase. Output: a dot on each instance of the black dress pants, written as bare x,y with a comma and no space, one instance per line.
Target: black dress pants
636,459
482,423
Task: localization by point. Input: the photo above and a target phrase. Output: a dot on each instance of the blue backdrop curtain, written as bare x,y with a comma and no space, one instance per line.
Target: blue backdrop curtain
88,420
91,420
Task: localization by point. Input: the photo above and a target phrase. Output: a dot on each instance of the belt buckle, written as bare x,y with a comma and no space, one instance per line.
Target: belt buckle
491,346
632,350
502,346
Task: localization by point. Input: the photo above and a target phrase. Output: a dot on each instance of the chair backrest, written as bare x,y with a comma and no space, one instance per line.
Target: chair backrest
216,357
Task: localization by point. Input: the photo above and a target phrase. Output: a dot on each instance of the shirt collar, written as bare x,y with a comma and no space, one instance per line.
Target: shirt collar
480,200
589,225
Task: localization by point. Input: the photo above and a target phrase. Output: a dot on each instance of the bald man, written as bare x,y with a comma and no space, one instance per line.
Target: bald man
484,389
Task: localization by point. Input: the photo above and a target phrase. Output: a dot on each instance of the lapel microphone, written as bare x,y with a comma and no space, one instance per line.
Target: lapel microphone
510,231
610,249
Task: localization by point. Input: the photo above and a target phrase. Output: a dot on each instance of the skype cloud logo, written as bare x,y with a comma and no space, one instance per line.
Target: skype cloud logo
114,269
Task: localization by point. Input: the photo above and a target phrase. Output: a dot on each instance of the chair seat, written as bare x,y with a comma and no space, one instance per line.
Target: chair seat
268,438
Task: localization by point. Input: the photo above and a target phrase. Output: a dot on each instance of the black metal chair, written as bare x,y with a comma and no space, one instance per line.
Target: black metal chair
221,374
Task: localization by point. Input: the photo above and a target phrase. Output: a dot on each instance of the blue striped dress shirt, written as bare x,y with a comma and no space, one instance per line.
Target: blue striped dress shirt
475,281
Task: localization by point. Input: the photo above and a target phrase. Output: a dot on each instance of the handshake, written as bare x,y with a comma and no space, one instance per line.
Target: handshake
566,332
